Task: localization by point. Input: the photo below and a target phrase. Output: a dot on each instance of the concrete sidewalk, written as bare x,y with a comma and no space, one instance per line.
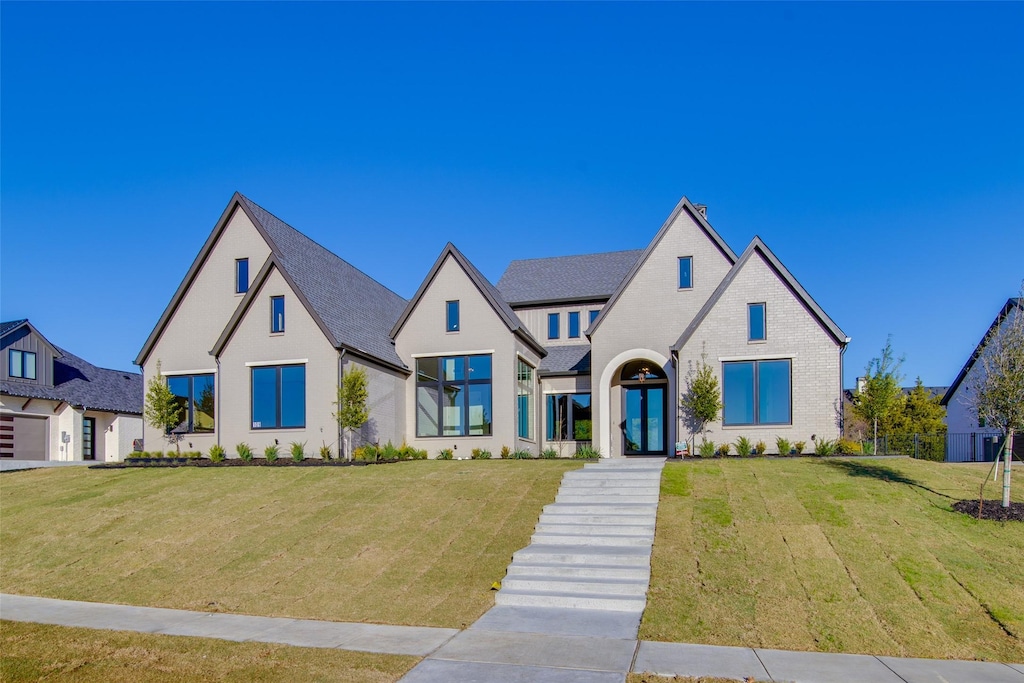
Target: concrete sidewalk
18,465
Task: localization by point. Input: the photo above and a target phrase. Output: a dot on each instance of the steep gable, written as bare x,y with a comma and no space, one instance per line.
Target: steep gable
1010,305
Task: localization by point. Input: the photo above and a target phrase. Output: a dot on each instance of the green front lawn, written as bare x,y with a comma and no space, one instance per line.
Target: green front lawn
836,555
410,543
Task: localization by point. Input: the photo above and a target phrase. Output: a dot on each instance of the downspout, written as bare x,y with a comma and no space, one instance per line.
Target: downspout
341,377
842,405
216,393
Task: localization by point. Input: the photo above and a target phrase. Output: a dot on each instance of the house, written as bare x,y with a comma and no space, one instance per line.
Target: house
969,437
562,352
57,406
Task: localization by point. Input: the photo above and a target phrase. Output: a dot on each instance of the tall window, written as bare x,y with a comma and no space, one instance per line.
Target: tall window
241,275
453,396
569,417
194,394
452,316
279,396
757,393
88,438
277,314
757,328
685,272
524,400
593,315
22,364
574,324
554,323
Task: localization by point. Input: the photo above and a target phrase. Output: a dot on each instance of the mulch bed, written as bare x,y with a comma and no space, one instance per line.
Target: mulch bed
992,509
133,463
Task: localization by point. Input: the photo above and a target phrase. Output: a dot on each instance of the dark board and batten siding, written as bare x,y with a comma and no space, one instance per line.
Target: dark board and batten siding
24,340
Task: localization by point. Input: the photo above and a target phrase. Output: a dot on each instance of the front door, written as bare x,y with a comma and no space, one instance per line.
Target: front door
88,438
644,420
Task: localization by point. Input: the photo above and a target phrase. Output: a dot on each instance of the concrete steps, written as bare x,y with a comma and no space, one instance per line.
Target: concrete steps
581,601
583,572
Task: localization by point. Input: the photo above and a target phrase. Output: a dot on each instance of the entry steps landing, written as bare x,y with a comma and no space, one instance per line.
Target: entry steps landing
591,548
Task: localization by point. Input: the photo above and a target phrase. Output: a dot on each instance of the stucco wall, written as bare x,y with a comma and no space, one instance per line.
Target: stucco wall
109,445
792,332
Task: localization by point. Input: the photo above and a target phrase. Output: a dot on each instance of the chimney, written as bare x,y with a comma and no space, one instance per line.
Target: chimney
702,208
862,383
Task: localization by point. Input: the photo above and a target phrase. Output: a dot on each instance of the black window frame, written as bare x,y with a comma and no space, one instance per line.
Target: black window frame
452,322
190,402
22,355
241,287
567,428
679,272
594,312
757,393
273,317
439,384
764,322
574,320
554,325
279,397
88,438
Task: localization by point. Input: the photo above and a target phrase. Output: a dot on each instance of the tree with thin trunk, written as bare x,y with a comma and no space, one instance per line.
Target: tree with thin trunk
163,410
702,401
881,393
996,389
352,411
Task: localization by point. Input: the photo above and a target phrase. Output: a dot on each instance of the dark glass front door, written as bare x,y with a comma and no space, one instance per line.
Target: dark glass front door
643,424
88,438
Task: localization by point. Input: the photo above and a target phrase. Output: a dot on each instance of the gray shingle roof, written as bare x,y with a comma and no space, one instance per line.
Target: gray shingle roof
566,278
79,382
11,324
358,310
566,360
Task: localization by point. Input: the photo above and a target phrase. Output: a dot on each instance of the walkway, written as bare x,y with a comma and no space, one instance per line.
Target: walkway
16,465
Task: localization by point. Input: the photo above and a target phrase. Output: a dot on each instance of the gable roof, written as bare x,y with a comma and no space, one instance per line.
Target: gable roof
684,206
323,282
566,360
80,383
1003,312
585,277
757,246
490,294
12,326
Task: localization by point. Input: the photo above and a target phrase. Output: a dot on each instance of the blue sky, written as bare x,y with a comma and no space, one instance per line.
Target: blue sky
877,148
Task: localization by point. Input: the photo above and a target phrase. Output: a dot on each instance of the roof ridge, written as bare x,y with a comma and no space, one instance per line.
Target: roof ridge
592,253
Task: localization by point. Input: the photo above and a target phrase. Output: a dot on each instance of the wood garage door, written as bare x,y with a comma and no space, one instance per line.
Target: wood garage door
27,440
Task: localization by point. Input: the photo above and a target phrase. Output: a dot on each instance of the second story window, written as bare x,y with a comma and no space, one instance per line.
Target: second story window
276,314
452,316
553,324
22,364
593,315
241,275
685,272
574,324
756,325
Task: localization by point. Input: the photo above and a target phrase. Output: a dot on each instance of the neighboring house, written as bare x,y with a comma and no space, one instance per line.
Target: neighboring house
57,406
561,352
970,438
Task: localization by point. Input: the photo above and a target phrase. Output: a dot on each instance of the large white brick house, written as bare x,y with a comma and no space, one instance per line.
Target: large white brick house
561,351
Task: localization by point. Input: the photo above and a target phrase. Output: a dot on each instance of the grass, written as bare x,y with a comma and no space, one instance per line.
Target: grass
38,652
415,543
858,556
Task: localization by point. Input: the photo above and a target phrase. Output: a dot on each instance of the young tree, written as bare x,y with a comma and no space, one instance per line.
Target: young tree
163,410
702,400
881,393
352,411
996,390
922,412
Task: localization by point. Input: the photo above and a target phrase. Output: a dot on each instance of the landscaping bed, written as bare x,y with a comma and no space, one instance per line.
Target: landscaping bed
992,509
233,462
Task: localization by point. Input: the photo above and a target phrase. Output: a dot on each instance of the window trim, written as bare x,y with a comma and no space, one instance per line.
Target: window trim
273,318
239,288
764,322
556,319
574,316
448,317
279,403
439,383
525,388
756,393
679,273
22,356
569,423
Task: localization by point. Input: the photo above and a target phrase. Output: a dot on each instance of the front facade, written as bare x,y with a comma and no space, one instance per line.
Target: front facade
592,350
57,406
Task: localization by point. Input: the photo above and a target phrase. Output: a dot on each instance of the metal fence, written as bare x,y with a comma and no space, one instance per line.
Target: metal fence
949,447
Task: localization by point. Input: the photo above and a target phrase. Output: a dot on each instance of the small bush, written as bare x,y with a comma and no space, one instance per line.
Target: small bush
325,452
848,447
760,448
799,447
270,453
723,450
244,452
390,452
409,453
481,454
549,454
192,455
743,446
823,447
445,454
136,455
298,451
521,454
366,453
782,445
505,453
586,453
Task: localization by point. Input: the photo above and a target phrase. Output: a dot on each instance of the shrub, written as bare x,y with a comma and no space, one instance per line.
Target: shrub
325,452
549,454
587,453
743,446
216,453
135,455
782,445
367,453
409,453
823,447
506,452
270,453
481,454
723,450
848,447
390,452
760,448
244,452
298,450
521,454
445,454
799,447
706,449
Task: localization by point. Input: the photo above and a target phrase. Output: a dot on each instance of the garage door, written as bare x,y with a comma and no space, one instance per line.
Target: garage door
28,439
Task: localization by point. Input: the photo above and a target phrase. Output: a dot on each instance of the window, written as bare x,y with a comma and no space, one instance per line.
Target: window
276,314
279,396
685,272
22,364
756,327
553,324
88,438
593,315
452,322
195,395
569,417
453,396
574,325
524,400
757,393
241,275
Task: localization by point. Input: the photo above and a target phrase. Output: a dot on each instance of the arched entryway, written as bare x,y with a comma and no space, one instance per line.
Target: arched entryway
644,409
